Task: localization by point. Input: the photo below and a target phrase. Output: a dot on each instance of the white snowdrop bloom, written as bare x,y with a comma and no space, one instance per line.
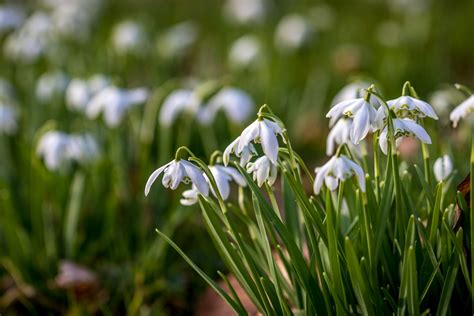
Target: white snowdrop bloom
50,85
80,91
338,135
59,149
263,170
114,103
177,171
245,11
53,148
292,32
265,132
177,40
442,168
406,106
223,176
403,128
181,100
245,153
8,119
462,110
11,17
30,41
245,52
354,90
362,113
338,169
236,104
128,37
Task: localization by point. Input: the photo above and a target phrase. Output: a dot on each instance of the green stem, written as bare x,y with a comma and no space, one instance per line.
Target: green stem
72,215
471,210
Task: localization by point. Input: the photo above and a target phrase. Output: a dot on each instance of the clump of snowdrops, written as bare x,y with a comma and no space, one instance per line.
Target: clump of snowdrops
375,235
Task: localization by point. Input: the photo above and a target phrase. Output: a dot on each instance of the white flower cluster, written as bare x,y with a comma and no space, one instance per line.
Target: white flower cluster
97,95
59,149
236,104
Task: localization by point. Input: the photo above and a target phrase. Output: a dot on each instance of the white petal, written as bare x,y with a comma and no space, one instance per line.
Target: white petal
222,181
331,183
249,134
425,108
262,172
236,176
229,150
269,142
153,177
417,130
196,177
361,125
383,141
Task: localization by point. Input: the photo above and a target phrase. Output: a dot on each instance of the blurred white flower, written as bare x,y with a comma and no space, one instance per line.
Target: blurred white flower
245,52
338,169
59,149
177,40
177,171
80,91
444,99
293,31
406,106
338,135
261,131
442,168
263,170
245,153
245,11
403,128
8,119
30,41
128,37
11,17
223,176
50,85
362,113
236,104
114,103
181,100
462,110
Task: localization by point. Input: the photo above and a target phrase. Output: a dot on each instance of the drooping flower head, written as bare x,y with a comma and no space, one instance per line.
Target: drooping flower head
236,104
409,107
263,170
362,114
177,171
462,110
181,100
245,153
442,168
339,134
337,169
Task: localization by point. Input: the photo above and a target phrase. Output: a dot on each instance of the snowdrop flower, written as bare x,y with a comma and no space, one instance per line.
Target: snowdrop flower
181,100
442,168
462,110
245,11
338,135
245,154
223,176
11,17
8,119
406,106
403,128
263,171
337,169
245,52
293,31
177,40
59,149
114,102
354,90
51,84
128,37
80,91
30,41
362,113
236,104
177,171
261,131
